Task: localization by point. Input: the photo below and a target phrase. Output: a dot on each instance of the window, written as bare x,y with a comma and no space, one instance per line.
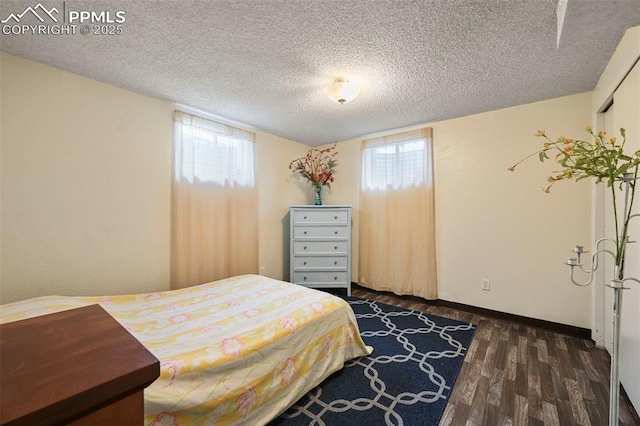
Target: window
211,152
394,165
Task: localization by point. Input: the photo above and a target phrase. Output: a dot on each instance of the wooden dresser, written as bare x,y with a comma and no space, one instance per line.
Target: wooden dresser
78,367
321,246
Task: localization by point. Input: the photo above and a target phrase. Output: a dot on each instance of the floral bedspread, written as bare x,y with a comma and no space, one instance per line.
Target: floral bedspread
235,351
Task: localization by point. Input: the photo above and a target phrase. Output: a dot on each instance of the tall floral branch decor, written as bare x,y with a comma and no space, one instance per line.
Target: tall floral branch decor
601,158
605,160
318,167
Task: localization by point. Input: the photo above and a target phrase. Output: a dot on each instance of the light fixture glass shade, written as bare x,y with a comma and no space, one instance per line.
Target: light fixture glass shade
343,90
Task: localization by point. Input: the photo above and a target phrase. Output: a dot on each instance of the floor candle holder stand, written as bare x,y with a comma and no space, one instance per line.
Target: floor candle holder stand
616,284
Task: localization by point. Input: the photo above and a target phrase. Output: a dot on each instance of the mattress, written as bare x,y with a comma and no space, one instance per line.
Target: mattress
235,351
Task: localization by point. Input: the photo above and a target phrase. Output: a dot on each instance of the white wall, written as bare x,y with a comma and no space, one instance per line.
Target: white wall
278,190
85,177
86,187
494,224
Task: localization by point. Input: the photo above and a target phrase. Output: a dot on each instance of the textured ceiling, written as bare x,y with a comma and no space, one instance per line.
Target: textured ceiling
268,63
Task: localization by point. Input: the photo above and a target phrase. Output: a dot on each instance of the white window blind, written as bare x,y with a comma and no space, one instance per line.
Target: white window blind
394,162
210,152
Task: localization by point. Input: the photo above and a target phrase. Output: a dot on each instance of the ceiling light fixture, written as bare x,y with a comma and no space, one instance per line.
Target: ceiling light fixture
343,90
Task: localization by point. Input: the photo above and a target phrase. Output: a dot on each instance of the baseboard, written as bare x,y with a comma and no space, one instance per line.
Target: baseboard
570,330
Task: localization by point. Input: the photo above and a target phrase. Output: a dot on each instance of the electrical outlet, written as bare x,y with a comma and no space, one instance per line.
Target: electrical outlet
486,284
262,270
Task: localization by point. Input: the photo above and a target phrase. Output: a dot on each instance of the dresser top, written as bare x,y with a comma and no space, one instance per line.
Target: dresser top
324,206
58,365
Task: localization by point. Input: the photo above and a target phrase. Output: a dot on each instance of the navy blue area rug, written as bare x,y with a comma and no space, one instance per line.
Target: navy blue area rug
407,379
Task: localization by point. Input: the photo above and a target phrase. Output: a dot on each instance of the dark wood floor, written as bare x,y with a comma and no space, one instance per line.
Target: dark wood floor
518,375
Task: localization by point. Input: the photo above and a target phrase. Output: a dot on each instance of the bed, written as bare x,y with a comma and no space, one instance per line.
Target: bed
235,351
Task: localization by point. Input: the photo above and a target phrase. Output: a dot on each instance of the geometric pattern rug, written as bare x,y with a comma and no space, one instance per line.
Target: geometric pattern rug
407,379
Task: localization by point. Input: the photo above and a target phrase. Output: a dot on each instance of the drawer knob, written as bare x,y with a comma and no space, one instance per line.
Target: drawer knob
335,232
335,262
304,263
335,278
304,278
305,218
305,247
334,247
305,232
335,217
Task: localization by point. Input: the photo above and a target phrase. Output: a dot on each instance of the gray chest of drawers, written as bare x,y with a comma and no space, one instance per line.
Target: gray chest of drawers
321,246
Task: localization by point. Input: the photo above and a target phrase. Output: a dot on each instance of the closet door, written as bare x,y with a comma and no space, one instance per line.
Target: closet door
625,113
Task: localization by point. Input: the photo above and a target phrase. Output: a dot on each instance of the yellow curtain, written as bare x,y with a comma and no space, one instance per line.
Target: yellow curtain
396,249
214,214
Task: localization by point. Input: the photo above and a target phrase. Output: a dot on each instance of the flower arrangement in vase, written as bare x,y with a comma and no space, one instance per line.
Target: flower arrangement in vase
318,167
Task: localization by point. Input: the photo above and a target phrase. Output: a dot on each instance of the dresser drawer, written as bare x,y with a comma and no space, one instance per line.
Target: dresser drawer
314,277
335,247
321,232
320,216
320,262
